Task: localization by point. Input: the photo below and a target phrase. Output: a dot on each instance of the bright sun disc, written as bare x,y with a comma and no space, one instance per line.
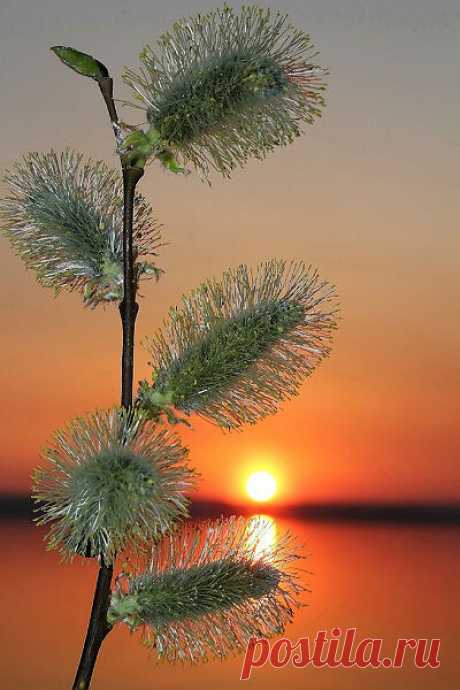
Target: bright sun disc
261,486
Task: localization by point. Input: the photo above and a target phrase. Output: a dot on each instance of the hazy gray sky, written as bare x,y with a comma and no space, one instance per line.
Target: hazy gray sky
370,195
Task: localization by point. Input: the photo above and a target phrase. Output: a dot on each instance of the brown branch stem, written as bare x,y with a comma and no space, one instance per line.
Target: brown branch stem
98,627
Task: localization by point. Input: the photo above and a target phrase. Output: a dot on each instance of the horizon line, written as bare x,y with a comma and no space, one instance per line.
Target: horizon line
21,506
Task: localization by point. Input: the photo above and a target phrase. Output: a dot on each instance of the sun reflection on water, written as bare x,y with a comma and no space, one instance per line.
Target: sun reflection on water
262,536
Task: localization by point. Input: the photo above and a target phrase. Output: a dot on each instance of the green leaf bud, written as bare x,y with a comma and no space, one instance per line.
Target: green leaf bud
81,63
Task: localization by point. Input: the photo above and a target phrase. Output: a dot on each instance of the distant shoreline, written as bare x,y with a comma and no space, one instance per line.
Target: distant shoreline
21,507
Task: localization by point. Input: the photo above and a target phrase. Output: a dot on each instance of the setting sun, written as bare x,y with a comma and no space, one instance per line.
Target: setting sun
261,486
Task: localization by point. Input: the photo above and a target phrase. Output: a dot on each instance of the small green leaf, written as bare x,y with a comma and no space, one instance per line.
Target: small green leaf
137,141
169,162
153,135
81,62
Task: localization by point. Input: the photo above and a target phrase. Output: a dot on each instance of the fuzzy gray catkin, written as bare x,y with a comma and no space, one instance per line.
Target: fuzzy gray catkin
111,480
209,587
234,349
226,86
64,218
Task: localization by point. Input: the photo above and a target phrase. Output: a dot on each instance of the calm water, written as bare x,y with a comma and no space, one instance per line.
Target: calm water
388,582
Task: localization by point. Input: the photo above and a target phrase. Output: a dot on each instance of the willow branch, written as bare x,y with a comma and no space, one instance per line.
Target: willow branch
98,627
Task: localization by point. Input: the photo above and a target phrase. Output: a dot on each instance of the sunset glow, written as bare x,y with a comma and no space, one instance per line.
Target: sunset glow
261,486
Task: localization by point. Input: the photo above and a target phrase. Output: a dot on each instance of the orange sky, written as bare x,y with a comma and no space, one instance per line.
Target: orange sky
367,196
